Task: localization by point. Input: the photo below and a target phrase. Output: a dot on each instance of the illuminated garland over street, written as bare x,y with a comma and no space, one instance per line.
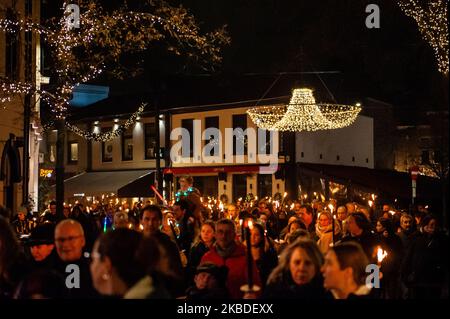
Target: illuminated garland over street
106,136
433,25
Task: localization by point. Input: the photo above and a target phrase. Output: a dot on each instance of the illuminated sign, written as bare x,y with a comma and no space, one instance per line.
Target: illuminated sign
45,172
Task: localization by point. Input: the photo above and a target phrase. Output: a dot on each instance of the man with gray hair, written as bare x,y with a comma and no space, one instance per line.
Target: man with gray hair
406,229
73,264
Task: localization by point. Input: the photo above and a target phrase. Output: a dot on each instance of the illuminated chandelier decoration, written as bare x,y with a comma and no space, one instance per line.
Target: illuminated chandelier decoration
303,114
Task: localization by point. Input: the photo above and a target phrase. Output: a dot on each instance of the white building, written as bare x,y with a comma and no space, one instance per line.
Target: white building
349,146
240,175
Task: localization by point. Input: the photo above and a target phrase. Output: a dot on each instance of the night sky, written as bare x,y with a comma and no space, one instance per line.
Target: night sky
392,64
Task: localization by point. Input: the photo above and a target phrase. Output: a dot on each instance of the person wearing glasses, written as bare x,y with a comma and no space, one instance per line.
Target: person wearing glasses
73,263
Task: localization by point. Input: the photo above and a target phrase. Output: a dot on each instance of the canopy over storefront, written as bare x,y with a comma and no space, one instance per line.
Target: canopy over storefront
100,183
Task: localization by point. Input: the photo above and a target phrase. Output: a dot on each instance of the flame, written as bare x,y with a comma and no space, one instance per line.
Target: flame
373,197
331,207
392,212
381,254
285,194
240,222
141,227
292,206
250,224
370,202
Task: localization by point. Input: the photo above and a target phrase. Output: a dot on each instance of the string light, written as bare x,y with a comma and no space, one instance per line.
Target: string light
106,136
433,26
103,38
304,114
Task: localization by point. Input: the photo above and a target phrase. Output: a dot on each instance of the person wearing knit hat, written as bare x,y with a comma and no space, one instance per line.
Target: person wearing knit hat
210,283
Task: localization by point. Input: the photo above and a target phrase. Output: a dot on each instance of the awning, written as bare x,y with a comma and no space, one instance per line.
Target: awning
139,187
391,183
244,169
99,183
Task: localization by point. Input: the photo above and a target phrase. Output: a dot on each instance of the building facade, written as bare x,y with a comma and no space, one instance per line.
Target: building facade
227,173
349,146
19,62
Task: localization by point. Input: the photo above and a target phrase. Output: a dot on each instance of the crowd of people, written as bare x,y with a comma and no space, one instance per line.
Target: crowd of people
248,249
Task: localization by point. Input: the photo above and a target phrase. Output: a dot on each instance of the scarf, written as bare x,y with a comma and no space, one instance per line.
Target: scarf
320,231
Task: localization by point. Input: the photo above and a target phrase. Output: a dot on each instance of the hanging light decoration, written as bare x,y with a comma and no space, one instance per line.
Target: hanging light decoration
303,114
265,117
432,21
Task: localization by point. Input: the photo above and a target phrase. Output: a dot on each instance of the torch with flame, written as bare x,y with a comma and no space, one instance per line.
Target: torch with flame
381,254
331,207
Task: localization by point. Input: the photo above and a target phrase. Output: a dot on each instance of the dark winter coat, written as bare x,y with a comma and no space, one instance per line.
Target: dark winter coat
286,288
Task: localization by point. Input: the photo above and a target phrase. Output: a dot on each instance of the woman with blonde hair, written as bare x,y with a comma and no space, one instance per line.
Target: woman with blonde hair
324,231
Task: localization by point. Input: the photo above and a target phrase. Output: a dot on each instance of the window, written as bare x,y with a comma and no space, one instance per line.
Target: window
367,160
208,184
72,155
353,158
302,154
240,140
12,50
281,142
320,156
187,148
107,148
337,158
127,145
28,41
239,186
149,140
211,122
269,142
264,185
